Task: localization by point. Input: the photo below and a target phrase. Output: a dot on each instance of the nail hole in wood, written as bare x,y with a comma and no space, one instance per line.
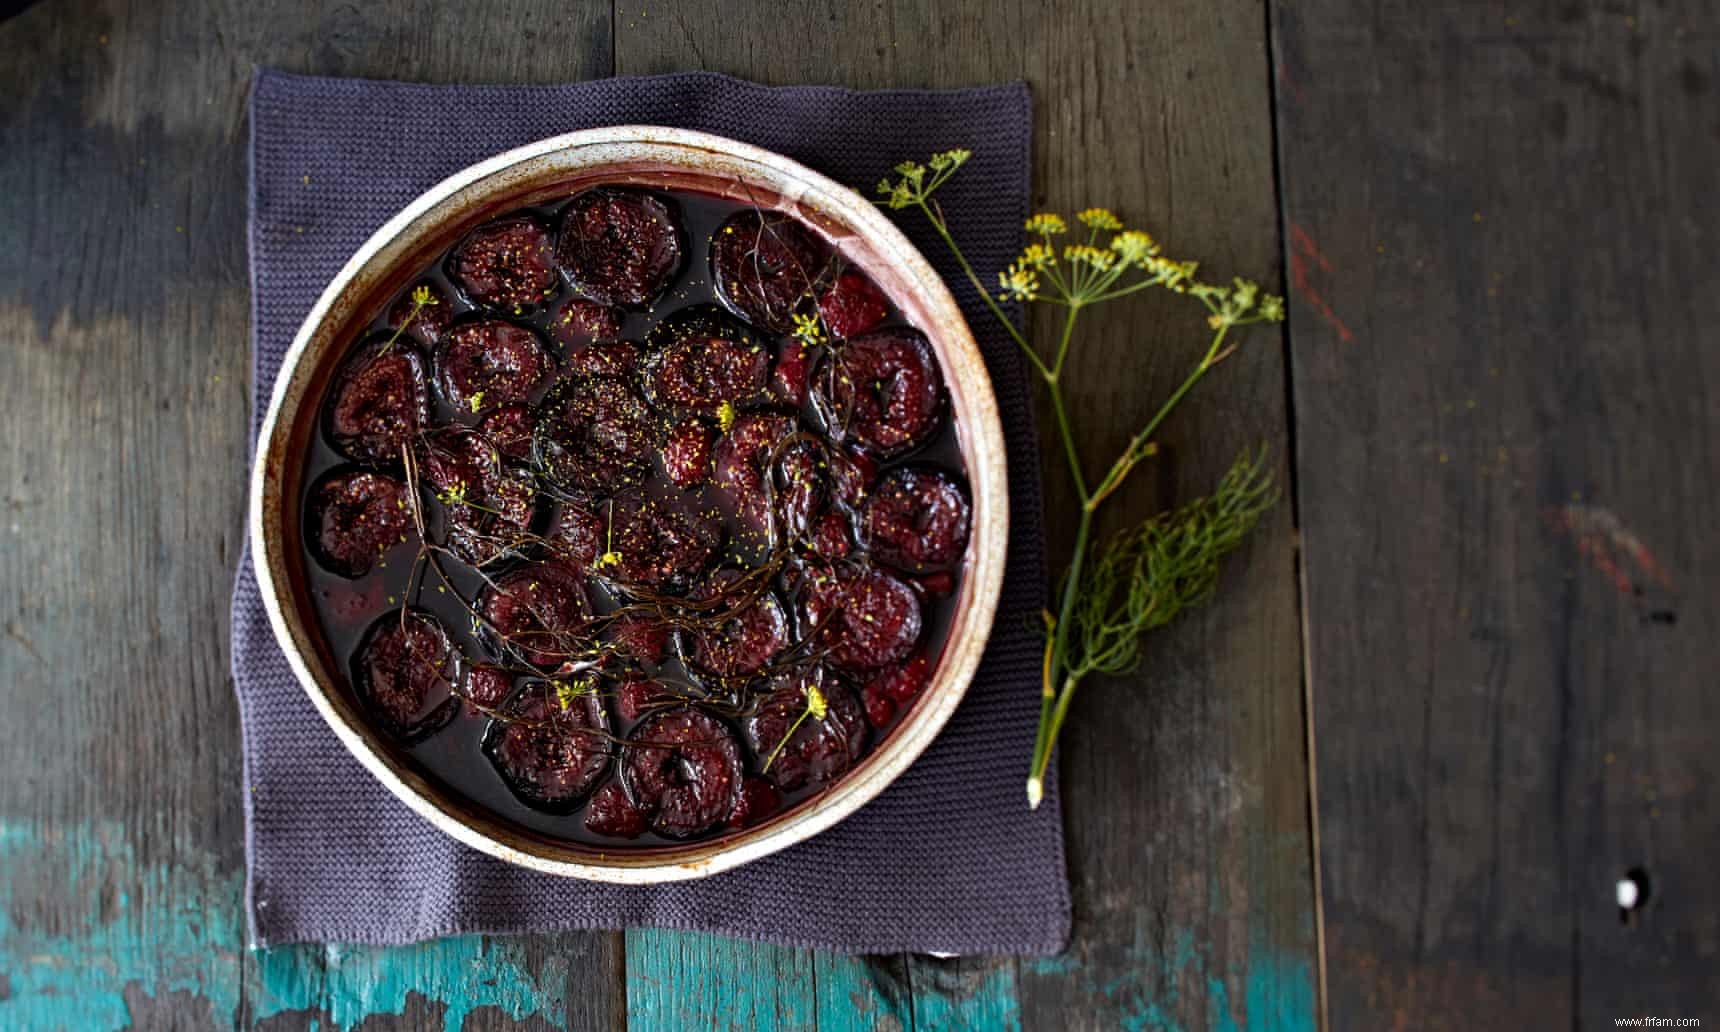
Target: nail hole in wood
1632,892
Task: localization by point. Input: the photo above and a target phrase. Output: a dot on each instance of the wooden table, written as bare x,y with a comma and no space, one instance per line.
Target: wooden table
1484,617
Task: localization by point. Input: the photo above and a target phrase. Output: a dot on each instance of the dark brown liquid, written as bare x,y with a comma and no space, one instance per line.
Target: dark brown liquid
346,608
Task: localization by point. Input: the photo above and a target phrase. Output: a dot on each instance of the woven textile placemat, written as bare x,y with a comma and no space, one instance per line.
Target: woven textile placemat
947,859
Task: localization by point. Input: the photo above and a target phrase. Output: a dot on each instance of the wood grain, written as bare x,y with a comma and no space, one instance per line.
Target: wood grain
124,348
694,980
1194,899
1500,228
124,325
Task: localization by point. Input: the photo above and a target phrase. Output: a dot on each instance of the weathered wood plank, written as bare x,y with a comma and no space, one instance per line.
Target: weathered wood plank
870,993
466,982
1501,225
1195,901
698,980
93,935
964,993
123,346
1185,784
127,134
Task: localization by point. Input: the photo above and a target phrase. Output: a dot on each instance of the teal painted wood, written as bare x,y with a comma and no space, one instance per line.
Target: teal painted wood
90,938
437,985
129,943
683,980
1181,986
862,993
964,993
140,943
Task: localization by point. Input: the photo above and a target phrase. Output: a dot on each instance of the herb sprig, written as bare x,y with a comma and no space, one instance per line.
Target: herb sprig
422,298
1150,573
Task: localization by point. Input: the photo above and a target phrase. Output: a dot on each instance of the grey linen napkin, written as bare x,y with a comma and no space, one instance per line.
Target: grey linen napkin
948,858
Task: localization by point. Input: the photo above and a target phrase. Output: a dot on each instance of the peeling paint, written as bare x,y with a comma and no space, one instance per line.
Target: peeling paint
1280,992
698,980
966,993
125,942
1277,990
117,932
457,976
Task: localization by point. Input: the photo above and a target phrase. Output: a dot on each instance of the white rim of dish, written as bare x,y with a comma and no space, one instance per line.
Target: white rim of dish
979,424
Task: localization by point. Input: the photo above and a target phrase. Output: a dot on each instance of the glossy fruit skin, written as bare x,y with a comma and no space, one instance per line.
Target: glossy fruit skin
590,336
637,695
758,800
485,363
817,485
379,401
487,507
854,473
916,519
580,321
801,482
620,246
641,638
354,517
536,615
507,265
607,358
880,708
700,359
576,538
766,267
852,305
741,457
662,545
832,538
903,682
687,453
820,750
550,756
790,374
941,584
865,616
751,636
402,673
881,390
682,768
458,459
611,813
503,532
423,323
487,687
595,436
510,429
